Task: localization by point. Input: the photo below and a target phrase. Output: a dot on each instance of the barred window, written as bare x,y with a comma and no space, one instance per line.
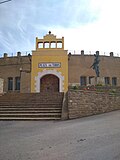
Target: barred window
83,81
114,81
90,79
10,83
107,80
17,83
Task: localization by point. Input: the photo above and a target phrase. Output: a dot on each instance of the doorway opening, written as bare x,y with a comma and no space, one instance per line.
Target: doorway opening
49,83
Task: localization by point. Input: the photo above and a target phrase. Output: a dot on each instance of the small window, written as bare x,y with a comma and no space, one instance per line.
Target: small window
40,45
114,81
83,81
59,44
90,79
107,80
46,44
53,45
10,83
17,83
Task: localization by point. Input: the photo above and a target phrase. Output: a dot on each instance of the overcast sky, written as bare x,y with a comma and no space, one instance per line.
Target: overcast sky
85,24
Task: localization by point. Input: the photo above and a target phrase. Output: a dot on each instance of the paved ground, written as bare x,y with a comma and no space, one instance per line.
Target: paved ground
91,138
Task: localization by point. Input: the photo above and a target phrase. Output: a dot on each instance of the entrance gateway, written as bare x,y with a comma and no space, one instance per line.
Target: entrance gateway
49,83
49,65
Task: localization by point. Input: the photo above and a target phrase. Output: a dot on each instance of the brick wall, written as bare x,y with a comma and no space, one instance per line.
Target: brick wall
84,103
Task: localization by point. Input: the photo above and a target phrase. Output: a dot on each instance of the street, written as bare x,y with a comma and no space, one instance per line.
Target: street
90,138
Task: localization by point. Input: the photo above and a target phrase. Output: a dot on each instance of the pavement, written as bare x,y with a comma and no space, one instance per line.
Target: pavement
90,138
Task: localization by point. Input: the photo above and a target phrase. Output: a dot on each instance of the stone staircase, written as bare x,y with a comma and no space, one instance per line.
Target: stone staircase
31,106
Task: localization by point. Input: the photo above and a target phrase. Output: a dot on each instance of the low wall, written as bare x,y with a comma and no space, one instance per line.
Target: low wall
86,103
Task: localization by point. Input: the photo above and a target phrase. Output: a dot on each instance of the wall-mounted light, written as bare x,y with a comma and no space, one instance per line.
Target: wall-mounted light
21,70
69,55
29,56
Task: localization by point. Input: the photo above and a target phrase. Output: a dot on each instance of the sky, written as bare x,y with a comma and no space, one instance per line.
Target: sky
88,25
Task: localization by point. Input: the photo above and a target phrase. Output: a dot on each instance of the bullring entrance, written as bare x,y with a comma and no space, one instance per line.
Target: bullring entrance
49,83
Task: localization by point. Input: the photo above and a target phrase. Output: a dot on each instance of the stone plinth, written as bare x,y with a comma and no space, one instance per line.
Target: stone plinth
97,81
100,81
1,85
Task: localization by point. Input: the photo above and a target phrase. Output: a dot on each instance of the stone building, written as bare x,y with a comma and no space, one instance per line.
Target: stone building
50,68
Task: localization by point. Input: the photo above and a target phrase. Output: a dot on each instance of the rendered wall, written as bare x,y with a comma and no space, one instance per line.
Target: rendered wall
10,67
80,65
51,56
1,85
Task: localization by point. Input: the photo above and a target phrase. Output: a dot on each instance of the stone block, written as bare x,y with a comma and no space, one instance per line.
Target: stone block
100,81
97,81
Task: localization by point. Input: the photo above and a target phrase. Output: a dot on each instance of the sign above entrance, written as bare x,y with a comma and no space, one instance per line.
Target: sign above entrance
49,65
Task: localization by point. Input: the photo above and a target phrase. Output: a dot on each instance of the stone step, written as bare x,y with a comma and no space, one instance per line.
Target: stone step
30,114
28,111
34,94
31,96
28,118
30,100
20,96
33,106
30,106
29,103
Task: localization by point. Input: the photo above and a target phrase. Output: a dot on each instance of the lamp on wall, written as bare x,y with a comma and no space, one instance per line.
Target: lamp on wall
69,55
25,71
20,71
29,56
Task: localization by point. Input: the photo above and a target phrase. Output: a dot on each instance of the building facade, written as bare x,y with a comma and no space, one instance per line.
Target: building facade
49,65
50,68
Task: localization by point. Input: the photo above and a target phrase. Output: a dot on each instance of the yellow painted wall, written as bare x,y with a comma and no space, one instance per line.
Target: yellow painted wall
49,55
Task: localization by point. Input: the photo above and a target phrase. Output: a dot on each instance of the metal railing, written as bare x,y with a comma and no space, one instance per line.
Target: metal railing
102,53
73,52
13,54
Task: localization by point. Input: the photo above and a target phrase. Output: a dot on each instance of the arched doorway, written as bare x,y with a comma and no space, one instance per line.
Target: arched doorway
49,83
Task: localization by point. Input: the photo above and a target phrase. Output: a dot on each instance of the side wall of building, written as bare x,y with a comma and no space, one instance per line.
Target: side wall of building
80,66
1,85
10,68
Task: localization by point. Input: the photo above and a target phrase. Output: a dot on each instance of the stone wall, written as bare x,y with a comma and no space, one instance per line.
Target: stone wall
86,103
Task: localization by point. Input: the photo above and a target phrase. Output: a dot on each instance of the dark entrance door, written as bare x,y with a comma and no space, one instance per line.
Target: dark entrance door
49,83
